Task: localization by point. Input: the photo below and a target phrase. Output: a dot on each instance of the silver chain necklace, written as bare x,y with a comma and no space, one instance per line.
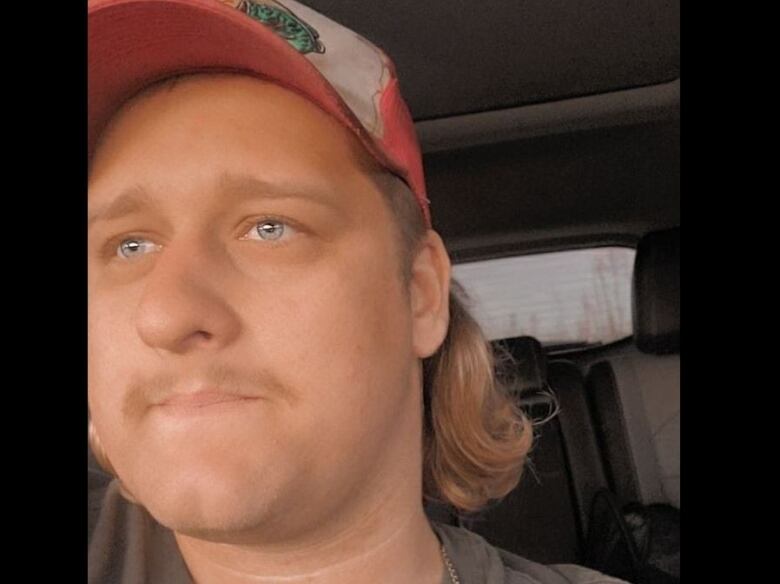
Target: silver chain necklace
450,568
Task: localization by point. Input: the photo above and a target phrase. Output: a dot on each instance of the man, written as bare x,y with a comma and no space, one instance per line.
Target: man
278,368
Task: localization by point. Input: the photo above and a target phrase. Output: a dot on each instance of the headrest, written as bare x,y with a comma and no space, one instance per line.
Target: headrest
531,361
656,295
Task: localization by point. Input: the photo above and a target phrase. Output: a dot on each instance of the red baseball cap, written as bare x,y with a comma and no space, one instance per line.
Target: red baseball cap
135,43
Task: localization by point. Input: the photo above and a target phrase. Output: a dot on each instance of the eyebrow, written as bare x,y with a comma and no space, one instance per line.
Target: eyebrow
132,200
238,187
245,186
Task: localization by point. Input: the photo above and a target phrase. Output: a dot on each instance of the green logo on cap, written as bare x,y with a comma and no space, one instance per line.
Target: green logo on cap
287,25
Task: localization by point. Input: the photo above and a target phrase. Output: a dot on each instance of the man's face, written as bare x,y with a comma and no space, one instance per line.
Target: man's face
240,249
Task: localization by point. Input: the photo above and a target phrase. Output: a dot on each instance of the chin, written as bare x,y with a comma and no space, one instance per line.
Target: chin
211,505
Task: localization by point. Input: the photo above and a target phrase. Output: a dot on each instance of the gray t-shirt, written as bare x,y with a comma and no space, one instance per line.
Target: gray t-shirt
127,546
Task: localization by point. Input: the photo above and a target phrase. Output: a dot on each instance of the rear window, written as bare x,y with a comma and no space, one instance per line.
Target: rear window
565,299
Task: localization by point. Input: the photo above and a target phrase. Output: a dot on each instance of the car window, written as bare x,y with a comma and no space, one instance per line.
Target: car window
570,298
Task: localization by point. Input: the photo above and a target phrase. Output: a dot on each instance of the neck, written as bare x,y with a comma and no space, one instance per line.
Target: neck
398,552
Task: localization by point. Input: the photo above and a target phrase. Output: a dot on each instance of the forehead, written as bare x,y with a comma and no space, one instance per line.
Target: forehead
199,128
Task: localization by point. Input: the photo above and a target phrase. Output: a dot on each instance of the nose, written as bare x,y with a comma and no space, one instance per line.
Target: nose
183,308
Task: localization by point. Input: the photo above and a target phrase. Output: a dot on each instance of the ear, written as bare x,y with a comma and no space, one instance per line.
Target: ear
430,295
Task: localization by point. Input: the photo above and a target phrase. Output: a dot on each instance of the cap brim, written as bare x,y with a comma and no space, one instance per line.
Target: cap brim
135,43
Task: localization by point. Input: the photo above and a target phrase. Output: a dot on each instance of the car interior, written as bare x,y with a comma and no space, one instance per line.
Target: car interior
547,128
551,127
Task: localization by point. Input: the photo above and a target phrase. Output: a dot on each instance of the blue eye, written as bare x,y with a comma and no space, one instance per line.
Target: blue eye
132,248
269,230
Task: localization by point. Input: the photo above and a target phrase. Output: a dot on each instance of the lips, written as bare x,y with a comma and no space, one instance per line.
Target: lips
202,399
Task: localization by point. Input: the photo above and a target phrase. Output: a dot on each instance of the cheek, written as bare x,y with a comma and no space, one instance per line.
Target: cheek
343,334
111,351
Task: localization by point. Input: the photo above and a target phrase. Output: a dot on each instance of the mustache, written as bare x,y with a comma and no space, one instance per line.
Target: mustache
146,390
